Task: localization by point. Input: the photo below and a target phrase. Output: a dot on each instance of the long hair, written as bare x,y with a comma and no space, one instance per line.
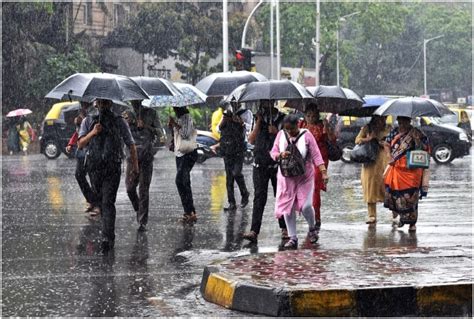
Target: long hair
180,111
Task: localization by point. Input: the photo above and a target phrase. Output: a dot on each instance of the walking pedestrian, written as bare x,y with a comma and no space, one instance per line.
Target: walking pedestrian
465,124
93,202
233,146
371,175
103,136
184,147
13,139
323,134
295,193
267,124
145,127
402,184
26,134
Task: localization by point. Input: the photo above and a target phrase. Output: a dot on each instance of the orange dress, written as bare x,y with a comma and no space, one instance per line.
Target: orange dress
402,184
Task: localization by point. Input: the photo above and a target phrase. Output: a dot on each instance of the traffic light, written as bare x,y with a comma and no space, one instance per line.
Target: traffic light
239,60
247,61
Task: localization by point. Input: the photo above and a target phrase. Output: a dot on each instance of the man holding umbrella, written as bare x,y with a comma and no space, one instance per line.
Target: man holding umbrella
268,122
103,135
144,125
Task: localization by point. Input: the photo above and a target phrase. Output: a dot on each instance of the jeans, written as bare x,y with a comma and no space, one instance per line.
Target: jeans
105,183
233,169
184,165
261,176
81,178
140,201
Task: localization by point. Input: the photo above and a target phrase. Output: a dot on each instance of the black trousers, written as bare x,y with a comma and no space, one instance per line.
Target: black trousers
81,178
233,170
261,176
184,165
140,201
105,182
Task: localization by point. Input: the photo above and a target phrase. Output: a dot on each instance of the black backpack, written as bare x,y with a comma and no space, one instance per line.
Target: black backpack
232,138
105,147
294,164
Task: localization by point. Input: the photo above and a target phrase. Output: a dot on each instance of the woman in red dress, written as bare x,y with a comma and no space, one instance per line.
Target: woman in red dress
323,135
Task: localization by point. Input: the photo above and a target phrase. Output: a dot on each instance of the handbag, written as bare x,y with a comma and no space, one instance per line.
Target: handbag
365,153
185,145
334,151
418,159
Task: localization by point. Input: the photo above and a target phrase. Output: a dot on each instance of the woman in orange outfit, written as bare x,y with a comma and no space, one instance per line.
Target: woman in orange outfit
402,184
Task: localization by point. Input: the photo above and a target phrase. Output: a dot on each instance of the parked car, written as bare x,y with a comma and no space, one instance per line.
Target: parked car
447,142
58,127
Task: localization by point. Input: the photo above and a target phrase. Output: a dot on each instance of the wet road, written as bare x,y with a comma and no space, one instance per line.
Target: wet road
51,264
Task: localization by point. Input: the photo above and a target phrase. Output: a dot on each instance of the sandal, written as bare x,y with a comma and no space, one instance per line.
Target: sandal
89,208
189,219
292,244
250,236
95,212
284,234
313,236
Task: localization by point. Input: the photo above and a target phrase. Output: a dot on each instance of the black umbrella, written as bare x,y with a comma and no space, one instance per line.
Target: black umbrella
413,107
335,99
156,86
223,83
90,86
288,90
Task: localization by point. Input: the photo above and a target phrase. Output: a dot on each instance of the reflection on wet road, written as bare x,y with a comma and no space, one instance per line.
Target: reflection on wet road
51,264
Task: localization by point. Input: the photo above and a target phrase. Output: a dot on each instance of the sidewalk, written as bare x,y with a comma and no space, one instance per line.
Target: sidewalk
393,281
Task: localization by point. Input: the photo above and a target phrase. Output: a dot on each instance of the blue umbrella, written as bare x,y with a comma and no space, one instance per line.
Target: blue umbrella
371,103
190,96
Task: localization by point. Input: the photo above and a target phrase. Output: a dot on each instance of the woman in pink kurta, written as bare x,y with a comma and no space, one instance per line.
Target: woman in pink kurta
296,193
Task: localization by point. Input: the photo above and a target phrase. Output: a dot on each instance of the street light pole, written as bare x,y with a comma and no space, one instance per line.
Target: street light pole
272,54
341,19
225,38
425,41
244,33
277,9
316,77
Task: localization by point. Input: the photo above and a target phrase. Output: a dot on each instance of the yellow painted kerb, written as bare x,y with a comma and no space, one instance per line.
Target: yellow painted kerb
219,290
454,295
324,303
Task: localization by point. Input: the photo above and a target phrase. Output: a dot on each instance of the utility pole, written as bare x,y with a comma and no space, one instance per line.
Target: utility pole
277,8
316,77
425,42
272,54
225,38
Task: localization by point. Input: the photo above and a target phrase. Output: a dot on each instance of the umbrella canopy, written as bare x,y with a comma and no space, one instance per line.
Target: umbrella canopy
223,83
335,99
19,112
190,96
372,102
90,86
272,90
413,107
156,86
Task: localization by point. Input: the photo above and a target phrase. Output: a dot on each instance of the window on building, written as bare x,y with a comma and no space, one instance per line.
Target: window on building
87,11
119,14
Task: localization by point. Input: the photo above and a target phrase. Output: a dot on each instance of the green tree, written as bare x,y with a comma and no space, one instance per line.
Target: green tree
201,38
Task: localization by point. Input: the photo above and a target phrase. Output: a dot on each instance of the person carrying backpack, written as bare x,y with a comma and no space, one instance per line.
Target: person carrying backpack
103,135
233,146
297,153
